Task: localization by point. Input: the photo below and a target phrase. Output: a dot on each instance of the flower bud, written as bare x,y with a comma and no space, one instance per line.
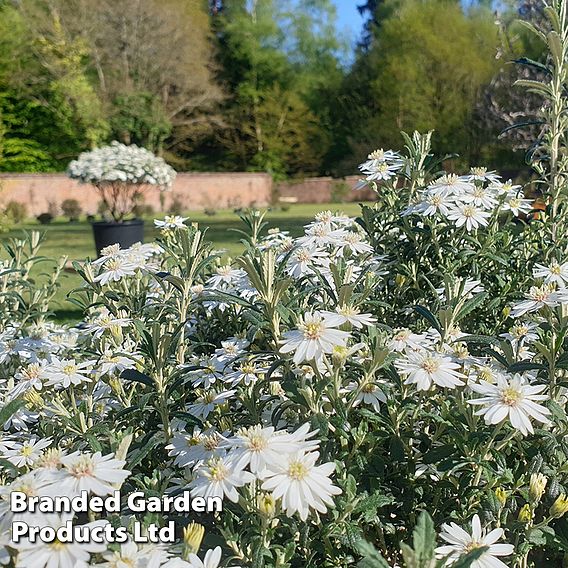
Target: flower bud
339,354
266,504
506,311
501,496
399,280
525,514
192,537
537,486
33,399
559,507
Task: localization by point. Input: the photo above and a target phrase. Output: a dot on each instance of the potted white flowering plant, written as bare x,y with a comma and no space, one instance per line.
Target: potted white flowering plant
120,174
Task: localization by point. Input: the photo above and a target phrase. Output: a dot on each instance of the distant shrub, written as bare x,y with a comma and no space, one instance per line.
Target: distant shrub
210,211
71,209
16,211
176,206
45,218
143,210
53,209
339,191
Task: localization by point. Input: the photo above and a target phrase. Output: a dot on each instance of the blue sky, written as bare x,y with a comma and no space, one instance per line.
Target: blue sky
348,18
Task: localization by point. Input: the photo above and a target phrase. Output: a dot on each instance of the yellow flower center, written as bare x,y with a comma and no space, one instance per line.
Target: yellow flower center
297,470
70,369
210,443
377,154
257,442
27,450
478,171
248,368
218,472
511,396
430,365
312,330
472,546
468,211
83,467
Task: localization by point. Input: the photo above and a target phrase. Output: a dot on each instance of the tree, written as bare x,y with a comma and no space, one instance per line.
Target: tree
277,59
425,71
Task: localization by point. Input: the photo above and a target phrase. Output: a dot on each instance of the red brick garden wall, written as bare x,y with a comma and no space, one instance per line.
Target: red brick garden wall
322,190
195,191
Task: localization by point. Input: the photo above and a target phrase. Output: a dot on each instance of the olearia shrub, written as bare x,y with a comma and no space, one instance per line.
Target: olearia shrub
386,391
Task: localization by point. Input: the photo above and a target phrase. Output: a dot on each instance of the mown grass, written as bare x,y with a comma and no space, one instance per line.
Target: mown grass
75,240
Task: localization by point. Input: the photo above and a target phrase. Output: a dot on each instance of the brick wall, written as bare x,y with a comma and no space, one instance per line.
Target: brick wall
322,190
195,191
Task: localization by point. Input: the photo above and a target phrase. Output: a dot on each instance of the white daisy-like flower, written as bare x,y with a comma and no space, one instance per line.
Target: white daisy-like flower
211,559
171,222
370,394
230,349
349,314
198,447
354,243
520,333
433,203
260,447
481,174
226,276
554,273
30,377
480,196
25,453
219,477
94,473
513,398
537,298
111,364
425,368
206,403
115,269
55,554
460,543
107,253
314,336
468,215
450,184
517,205
66,372
404,338
321,235
105,321
127,556
301,484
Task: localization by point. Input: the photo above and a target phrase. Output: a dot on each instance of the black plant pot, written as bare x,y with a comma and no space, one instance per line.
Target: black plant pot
125,234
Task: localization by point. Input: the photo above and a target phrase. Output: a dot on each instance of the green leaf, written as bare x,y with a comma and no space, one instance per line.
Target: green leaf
8,410
424,538
371,556
429,316
467,560
484,339
137,376
522,366
470,305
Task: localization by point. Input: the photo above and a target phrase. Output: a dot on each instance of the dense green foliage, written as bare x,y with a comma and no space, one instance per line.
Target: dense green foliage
263,86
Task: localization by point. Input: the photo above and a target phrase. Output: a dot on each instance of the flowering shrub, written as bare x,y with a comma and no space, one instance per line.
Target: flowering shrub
120,173
378,392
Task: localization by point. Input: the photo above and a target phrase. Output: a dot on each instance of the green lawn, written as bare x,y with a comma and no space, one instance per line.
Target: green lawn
75,240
